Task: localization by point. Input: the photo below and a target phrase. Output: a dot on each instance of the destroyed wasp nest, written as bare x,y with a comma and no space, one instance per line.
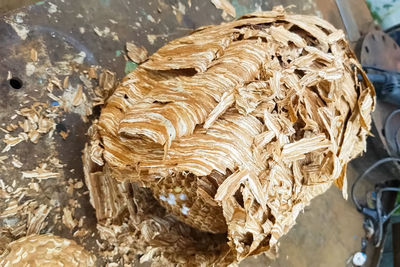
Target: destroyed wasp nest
232,130
45,250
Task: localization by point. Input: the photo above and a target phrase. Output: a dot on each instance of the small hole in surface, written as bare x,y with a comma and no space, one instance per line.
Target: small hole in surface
367,49
61,128
383,38
373,37
15,83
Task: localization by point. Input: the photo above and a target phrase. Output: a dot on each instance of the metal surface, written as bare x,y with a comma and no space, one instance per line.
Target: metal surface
378,49
60,34
349,22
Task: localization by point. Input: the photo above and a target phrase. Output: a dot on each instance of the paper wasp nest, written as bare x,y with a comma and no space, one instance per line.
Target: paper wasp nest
46,250
231,130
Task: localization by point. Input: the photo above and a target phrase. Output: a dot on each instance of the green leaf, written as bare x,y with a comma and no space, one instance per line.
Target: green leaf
130,66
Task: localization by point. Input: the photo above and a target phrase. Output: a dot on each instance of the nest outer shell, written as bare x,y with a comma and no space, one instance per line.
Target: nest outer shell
234,128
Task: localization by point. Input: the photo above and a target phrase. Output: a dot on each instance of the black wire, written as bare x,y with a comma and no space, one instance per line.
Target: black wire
367,171
386,127
379,209
381,219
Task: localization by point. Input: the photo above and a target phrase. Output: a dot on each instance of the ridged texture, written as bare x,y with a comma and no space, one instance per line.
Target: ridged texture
46,250
237,127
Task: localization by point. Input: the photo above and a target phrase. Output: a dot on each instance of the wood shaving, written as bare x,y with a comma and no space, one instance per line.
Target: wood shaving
4,130
107,82
34,186
135,53
40,173
56,162
70,189
78,185
36,220
55,81
34,55
34,136
12,141
81,232
92,73
13,209
4,194
16,163
78,98
3,158
226,6
64,134
66,82
80,223
55,98
11,127
68,219
35,124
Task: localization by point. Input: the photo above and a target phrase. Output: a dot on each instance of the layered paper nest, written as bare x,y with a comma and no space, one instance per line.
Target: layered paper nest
208,151
46,250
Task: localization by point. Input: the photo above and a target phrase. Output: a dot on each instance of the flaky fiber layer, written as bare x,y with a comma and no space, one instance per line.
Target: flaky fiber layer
233,130
46,251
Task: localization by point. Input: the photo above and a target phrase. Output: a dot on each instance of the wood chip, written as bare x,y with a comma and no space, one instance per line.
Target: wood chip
56,82
3,158
92,72
36,220
56,162
66,82
68,219
13,209
78,185
34,55
34,186
78,97
81,232
64,134
135,53
40,173
34,136
12,141
11,127
16,163
226,6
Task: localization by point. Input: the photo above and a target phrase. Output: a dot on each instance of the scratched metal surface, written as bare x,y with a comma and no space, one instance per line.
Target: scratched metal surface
64,31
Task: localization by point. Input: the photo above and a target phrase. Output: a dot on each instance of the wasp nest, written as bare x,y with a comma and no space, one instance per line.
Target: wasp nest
232,130
45,250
